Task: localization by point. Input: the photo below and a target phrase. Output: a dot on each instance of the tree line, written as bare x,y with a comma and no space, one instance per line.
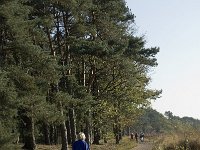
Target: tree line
170,131
70,66
152,122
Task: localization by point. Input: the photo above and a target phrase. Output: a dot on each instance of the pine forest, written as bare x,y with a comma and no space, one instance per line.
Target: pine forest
68,66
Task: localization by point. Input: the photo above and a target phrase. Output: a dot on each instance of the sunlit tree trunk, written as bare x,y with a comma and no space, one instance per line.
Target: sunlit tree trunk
63,131
72,124
68,131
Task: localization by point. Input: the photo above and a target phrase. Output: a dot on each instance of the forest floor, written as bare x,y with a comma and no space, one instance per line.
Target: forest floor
125,144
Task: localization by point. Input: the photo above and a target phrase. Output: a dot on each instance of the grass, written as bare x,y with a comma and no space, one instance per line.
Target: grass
178,141
125,144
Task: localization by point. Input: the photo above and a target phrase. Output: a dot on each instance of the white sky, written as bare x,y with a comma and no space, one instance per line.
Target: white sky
174,26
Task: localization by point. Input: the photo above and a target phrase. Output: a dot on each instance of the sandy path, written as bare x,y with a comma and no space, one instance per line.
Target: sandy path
144,146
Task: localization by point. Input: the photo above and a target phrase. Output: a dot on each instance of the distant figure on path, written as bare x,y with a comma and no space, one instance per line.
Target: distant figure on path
142,137
136,137
80,144
131,135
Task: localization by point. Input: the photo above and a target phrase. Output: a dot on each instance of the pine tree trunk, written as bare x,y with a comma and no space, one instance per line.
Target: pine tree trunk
53,135
63,131
87,129
117,139
50,42
120,134
116,130
128,131
72,124
117,136
63,136
46,134
69,139
96,136
29,137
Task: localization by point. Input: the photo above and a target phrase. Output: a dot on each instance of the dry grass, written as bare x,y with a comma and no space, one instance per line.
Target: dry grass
125,144
178,141
48,147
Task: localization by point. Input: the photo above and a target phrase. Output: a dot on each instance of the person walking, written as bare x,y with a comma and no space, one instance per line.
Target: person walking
136,136
80,144
131,135
142,137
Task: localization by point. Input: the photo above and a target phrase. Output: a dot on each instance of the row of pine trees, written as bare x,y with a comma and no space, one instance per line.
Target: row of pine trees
68,66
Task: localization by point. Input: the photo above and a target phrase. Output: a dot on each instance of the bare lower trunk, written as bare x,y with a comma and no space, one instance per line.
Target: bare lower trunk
87,130
72,124
128,131
69,139
96,136
117,131
53,135
46,134
29,137
117,136
63,136
63,131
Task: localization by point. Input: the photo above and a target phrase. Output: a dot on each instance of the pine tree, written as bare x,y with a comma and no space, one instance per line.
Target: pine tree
73,67
30,69
8,122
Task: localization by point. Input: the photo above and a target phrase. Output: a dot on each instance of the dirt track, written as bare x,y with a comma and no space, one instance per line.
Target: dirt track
144,146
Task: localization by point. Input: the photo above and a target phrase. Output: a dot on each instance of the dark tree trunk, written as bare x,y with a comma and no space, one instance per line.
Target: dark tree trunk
116,133
63,130
120,134
69,139
105,140
117,138
46,134
52,132
50,42
29,137
96,136
116,130
96,130
87,130
55,135
128,131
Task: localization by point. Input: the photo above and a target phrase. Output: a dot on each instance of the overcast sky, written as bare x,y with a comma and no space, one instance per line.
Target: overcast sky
174,26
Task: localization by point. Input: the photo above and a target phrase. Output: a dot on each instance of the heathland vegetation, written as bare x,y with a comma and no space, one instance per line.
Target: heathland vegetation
170,132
